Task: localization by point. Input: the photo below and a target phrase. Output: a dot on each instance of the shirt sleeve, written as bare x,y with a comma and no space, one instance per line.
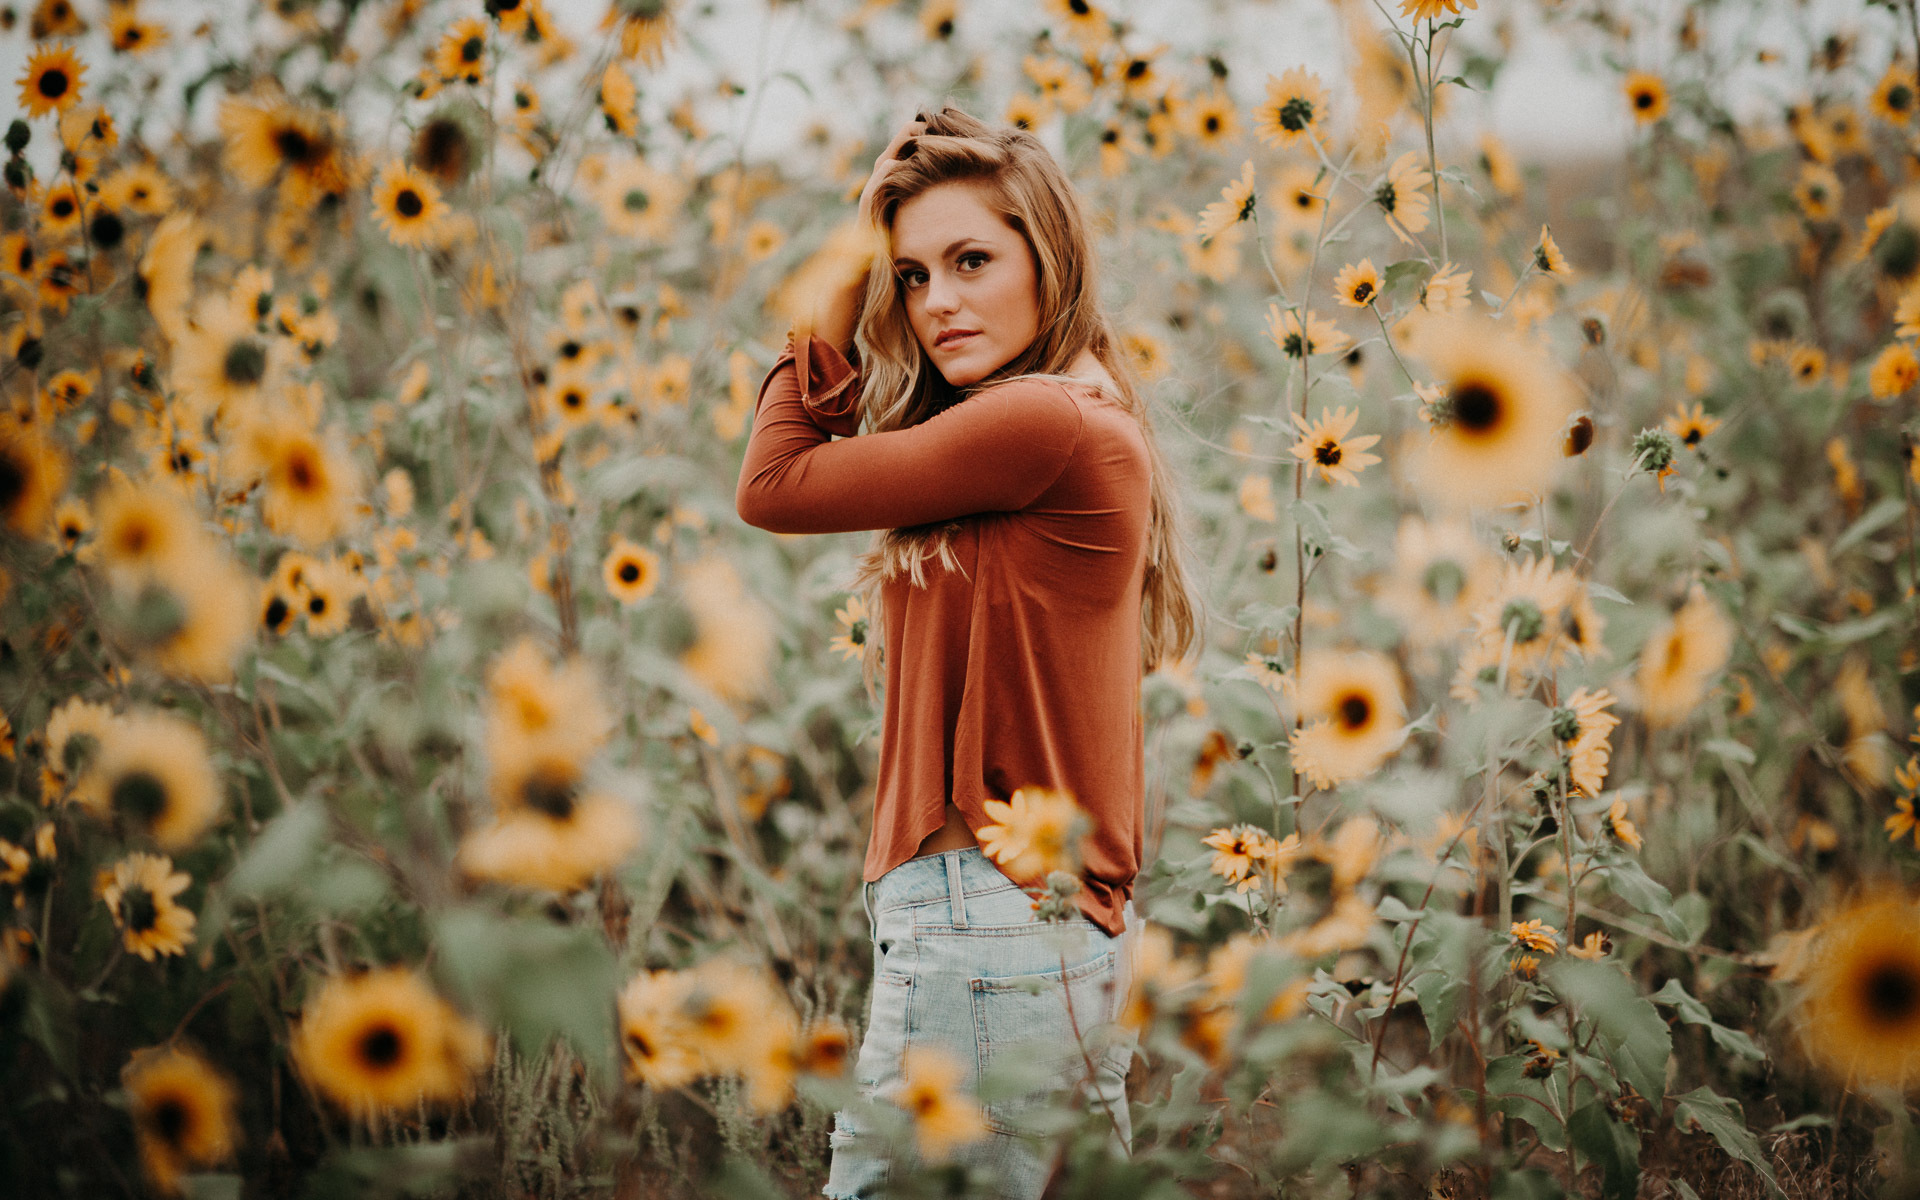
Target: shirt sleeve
996,451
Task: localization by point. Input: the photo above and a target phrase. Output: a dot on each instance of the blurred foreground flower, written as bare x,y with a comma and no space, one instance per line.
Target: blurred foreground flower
1036,832
1682,658
1861,986
1354,713
1497,428
385,1040
183,1113
930,1090
154,777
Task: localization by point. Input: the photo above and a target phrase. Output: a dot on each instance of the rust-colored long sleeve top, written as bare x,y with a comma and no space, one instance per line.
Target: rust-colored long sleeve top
1023,670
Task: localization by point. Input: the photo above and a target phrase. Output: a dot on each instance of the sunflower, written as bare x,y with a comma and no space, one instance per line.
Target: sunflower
1682,658
1535,935
138,891
1497,161
224,365
1083,22
653,1029
733,637
33,472
262,137
1034,833
312,490
851,642
1358,284
193,617
1212,120
1440,576
76,729
1691,427
619,101
1817,192
1236,204
1401,198
70,524
1302,197
1499,420
1431,10
384,1040
1861,992
327,590
1894,372
1807,366
1894,96
1295,107
637,201
461,55
1646,95
60,210
52,80
931,1091
645,27
1353,712
131,35
154,774
183,1112
560,844
407,204
1620,828
536,711
1325,446
510,15
164,278
1320,337
736,1021
631,571
1547,257
1061,84
140,527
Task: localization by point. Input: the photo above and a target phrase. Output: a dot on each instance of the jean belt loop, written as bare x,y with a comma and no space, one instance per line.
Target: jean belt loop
956,895
866,902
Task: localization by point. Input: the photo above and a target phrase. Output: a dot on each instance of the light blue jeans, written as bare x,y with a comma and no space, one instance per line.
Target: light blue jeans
961,963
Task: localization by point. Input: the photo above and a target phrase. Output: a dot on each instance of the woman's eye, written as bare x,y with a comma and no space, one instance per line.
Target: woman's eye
911,278
971,255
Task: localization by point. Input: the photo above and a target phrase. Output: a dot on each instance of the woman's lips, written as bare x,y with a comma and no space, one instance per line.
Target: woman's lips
954,339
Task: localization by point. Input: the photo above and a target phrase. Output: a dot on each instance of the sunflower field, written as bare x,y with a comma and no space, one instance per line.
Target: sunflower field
415,779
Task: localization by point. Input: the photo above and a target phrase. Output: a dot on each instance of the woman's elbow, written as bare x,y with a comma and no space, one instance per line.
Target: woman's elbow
760,508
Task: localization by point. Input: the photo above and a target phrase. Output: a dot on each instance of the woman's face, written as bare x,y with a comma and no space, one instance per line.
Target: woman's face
968,281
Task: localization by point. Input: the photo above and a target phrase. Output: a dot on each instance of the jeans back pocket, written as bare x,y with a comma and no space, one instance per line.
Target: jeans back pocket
1024,1032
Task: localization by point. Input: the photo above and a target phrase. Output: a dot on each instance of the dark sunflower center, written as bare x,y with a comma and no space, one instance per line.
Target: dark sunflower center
1444,581
316,605
1296,114
302,472
277,612
1079,8
380,1047
170,1118
857,632
1138,68
54,83
1898,251
294,145
1110,136
245,364
1476,406
63,207
1386,197
1524,617
470,49
408,203
629,572
635,200
1355,711
550,792
138,910
1566,724
140,795
1327,453
1693,435
1899,97
13,480
1212,123
1362,291
1644,99
1891,993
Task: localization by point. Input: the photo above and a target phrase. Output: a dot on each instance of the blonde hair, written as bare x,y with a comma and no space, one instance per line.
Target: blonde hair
901,388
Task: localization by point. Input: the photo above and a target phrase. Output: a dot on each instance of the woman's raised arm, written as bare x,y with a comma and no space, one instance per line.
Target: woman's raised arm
995,452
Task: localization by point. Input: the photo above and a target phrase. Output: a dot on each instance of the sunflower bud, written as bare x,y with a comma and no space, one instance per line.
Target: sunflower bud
1655,450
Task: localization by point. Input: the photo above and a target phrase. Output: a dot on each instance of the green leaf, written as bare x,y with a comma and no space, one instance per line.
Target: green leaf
1601,591
1722,1119
1530,1184
1631,883
1611,1146
1635,1036
1440,962
1869,523
1693,1012
282,853
1730,750
1407,270
534,979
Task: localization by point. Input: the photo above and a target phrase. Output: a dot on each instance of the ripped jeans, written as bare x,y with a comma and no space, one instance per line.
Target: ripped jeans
961,963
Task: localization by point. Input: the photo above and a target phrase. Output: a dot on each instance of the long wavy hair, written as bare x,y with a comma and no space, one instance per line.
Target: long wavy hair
900,387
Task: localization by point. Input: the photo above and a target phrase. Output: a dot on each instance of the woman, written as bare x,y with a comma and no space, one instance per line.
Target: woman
1025,572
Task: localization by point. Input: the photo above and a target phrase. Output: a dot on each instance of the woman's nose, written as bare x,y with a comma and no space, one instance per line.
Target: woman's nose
941,296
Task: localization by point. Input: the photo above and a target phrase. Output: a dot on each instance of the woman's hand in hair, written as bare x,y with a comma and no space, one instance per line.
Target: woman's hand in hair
890,158
834,316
